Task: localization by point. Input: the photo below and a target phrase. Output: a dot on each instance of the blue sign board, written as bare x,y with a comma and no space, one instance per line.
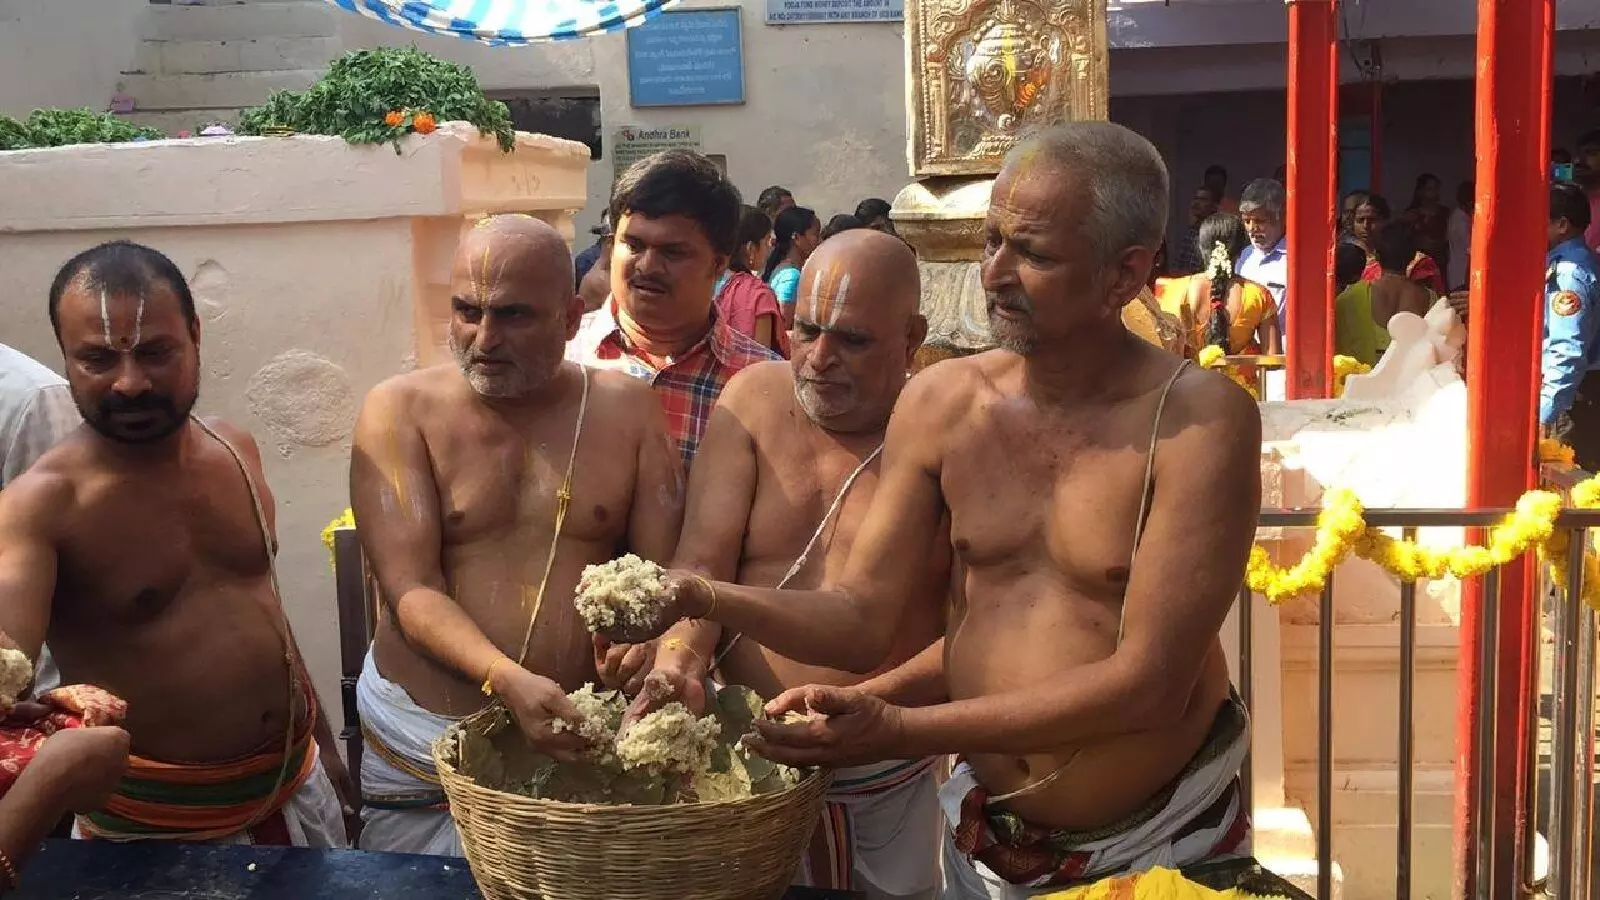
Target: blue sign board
687,57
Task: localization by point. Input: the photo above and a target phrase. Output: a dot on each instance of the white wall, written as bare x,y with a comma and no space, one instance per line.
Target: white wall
64,53
824,111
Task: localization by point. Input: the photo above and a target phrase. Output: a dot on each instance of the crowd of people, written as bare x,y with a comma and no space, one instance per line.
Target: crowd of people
924,580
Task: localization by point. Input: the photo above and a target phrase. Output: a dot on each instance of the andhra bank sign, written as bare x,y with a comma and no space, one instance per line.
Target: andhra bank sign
632,143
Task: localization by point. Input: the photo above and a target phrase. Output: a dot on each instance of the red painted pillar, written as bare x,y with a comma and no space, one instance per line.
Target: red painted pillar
1508,251
1313,161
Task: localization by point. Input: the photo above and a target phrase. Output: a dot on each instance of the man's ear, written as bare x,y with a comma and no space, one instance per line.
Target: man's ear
574,315
1130,274
916,333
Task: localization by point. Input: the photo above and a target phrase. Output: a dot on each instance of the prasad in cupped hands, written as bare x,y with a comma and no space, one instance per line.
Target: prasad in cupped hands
481,490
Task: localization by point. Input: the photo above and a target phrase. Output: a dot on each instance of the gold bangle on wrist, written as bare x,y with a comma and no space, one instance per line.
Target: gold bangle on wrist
679,644
488,676
8,871
711,589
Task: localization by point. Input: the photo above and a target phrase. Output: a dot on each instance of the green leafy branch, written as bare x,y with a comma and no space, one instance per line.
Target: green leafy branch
381,95
64,127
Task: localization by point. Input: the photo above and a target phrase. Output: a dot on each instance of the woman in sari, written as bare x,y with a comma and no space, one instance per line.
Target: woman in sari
1232,313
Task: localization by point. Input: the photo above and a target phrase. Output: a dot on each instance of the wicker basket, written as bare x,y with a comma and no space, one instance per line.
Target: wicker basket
526,849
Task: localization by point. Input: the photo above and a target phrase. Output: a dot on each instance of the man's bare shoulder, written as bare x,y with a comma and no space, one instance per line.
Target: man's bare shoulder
1211,400
951,386
239,438
42,500
632,397
758,387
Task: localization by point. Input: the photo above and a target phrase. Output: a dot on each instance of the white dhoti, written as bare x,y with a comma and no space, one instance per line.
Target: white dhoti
879,833
404,809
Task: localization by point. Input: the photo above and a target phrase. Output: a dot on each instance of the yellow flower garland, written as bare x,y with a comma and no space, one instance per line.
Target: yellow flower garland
346,519
1342,530
1212,357
1344,367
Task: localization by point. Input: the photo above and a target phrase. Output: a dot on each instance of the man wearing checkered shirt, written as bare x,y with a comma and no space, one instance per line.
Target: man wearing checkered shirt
675,218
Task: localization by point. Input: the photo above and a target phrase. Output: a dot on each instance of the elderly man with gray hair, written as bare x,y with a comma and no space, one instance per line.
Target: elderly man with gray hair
1100,497
1266,260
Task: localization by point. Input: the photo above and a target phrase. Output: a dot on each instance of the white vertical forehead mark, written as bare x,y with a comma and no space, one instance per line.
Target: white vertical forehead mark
138,321
105,317
838,300
816,292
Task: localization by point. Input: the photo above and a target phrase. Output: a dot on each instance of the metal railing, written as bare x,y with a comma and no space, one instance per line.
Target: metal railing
1570,834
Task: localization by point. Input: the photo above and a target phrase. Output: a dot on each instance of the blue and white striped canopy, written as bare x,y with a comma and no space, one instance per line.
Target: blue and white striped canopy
509,23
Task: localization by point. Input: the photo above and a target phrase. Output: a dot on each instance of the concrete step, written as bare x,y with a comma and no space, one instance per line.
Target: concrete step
270,54
173,121
271,18
153,93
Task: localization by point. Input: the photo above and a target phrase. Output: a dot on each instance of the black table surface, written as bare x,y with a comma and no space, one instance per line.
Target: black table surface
95,870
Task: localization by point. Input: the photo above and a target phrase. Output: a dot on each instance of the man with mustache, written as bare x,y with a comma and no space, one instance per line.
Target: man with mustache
142,547
1101,496
676,223
481,489
787,471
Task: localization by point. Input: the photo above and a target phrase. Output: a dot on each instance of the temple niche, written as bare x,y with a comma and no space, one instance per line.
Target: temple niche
983,73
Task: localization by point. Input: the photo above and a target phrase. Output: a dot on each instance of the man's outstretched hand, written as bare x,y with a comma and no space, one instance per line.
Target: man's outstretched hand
844,727
536,703
622,667
688,596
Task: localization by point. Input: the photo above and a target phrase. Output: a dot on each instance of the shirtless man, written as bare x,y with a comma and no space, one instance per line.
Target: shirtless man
1087,693
786,442
457,478
142,547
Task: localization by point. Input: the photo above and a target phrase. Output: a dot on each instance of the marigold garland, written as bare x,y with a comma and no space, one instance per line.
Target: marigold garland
1344,367
1212,357
346,519
1342,531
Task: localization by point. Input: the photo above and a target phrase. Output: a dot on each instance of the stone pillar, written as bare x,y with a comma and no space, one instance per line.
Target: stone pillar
982,72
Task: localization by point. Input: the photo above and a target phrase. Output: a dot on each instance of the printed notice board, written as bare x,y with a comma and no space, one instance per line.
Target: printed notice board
822,12
687,57
632,143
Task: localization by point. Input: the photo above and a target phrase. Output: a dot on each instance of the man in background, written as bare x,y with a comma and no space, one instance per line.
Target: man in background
874,213
36,413
774,200
1202,206
1266,260
1216,181
1569,393
677,224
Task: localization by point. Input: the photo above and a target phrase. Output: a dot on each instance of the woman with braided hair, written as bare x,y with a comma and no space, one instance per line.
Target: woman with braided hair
1230,312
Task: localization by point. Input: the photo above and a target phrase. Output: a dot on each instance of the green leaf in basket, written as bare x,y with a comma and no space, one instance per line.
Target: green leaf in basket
713,787
736,708
639,787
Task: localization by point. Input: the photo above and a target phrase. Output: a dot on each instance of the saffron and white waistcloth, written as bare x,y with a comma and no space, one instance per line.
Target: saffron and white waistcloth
879,833
311,817
991,853
403,806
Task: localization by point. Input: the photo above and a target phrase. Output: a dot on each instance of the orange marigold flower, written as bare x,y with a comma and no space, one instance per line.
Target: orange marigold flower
423,123
394,118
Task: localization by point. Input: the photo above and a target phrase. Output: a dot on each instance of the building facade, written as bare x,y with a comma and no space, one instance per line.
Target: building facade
823,105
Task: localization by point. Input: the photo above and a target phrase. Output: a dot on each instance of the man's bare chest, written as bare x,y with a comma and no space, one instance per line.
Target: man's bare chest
129,551
812,502
1058,505
494,483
